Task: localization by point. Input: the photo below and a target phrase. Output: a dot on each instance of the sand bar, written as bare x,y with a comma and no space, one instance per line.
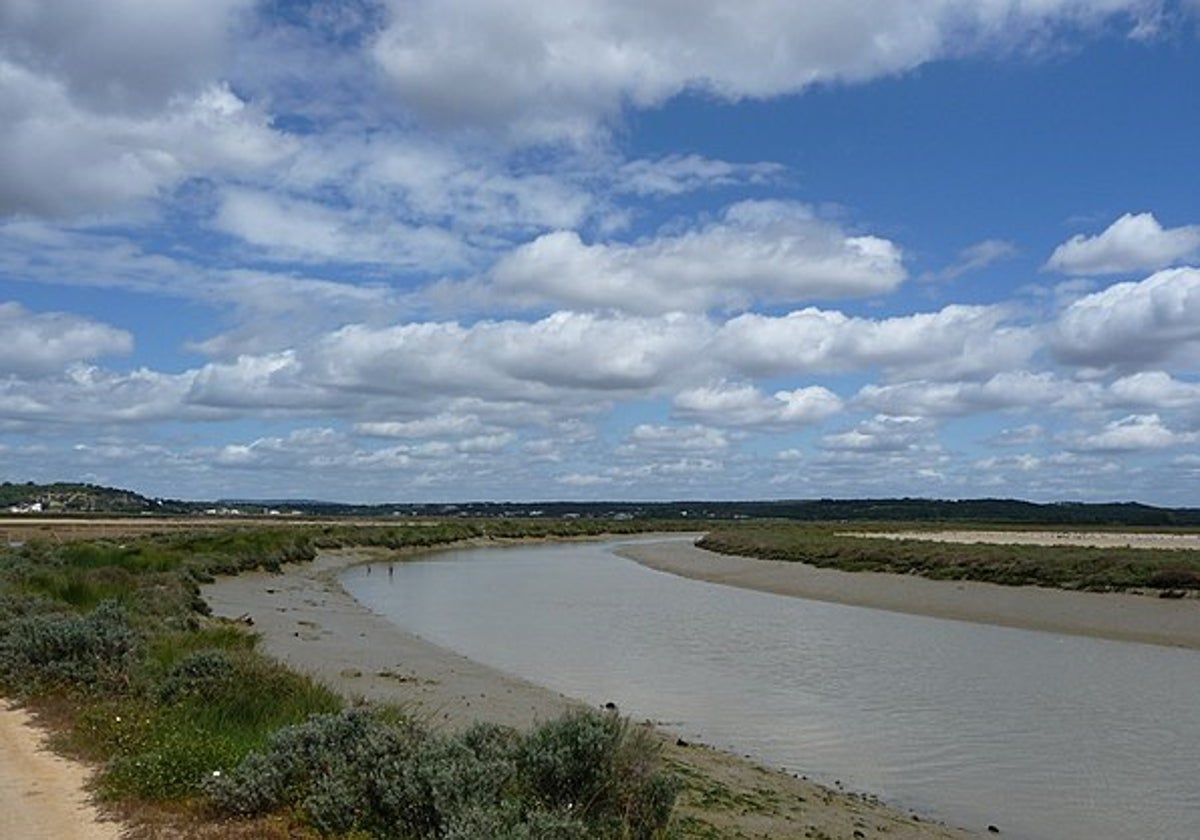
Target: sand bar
1122,616
309,622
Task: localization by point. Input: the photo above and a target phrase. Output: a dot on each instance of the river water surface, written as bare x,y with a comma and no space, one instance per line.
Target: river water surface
1049,737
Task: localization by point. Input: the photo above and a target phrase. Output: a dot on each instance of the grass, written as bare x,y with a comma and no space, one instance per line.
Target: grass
179,710
1063,567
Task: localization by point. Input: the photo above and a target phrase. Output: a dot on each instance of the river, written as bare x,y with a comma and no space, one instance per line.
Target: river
1049,737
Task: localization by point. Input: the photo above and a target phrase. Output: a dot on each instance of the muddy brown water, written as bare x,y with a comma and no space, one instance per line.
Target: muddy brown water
1048,737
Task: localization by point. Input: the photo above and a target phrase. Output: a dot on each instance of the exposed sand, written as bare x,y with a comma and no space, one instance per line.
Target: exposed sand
1123,616
308,621
42,795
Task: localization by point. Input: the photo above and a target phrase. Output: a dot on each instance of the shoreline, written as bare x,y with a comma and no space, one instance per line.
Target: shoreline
1116,616
307,621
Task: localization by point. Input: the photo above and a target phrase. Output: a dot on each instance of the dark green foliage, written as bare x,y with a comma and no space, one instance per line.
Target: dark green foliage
175,707
595,766
90,653
1064,567
586,775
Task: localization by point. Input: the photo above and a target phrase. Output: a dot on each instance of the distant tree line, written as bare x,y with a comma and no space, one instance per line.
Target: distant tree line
68,497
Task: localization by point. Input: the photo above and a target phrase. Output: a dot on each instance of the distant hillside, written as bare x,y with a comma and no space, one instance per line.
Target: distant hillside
90,498
65,497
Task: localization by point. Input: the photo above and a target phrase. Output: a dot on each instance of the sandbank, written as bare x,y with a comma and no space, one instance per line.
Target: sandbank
1109,615
306,620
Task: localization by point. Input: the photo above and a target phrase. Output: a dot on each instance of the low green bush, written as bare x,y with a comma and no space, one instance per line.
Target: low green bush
585,775
88,653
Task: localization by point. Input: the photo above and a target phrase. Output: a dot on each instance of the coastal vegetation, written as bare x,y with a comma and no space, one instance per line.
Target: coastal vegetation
1118,568
110,640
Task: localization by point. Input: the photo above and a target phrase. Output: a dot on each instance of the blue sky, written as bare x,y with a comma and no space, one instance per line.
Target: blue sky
488,249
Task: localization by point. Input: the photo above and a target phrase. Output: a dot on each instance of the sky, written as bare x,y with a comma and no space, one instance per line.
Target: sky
460,250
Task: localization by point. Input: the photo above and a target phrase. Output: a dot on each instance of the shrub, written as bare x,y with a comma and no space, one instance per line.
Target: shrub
91,652
595,767
586,775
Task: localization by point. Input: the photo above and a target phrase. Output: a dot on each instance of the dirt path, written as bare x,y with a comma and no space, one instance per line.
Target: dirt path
42,795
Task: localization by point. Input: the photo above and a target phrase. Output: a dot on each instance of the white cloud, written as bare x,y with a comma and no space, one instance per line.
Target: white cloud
1134,433
122,55
546,70
973,258
956,341
648,440
727,404
1134,242
297,229
37,344
1008,390
882,433
1147,322
87,395
436,425
1155,389
677,174
759,251
58,158
544,360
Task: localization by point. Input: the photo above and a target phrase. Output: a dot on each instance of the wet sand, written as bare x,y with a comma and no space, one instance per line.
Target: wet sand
309,622
1121,616
42,795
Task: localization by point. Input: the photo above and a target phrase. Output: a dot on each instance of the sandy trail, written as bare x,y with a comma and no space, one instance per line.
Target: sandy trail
1122,616
42,795
309,622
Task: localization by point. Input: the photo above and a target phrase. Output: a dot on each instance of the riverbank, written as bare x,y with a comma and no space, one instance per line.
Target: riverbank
1120,616
309,622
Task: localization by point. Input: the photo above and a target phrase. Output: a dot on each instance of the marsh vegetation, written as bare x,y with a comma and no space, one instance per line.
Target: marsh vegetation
112,641
1118,568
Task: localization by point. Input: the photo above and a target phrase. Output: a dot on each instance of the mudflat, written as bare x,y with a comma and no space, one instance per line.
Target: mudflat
1110,615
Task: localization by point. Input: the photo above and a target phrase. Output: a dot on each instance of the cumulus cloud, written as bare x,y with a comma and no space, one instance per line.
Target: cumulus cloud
37,344
1134,324
1134,242
728,404
544,360
649,440
1155,389
882,434
1133,433
122,55
85,394
1005,391
58,158
107,104
545,70
758,251
956,341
